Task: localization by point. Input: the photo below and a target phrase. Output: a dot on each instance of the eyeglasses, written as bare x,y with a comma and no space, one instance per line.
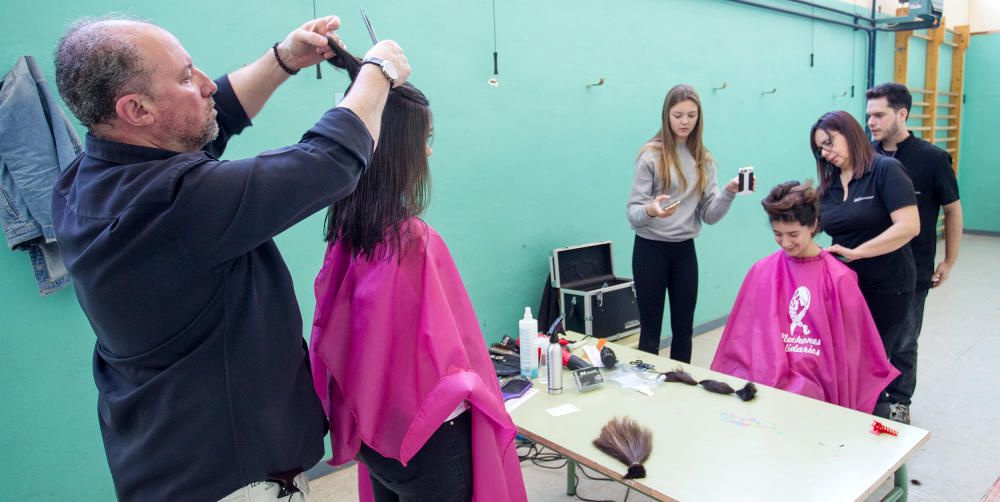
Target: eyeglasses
826,145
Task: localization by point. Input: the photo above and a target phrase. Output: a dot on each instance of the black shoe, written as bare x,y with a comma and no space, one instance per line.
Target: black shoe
900,413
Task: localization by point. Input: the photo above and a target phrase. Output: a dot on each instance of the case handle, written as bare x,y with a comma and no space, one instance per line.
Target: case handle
572,308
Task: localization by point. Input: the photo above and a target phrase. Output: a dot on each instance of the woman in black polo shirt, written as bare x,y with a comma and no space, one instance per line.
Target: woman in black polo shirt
868,207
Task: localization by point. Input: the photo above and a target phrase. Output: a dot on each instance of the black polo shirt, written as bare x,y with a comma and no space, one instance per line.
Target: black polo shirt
934,182
201,369
865,214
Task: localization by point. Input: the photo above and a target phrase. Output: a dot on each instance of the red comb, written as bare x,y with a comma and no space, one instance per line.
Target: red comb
878,429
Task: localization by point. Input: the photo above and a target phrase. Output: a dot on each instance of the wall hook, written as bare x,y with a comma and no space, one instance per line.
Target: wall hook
772,91
724,85
841,95
595,84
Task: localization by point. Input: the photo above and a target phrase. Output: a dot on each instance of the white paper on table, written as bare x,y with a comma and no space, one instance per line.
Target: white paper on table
565,409
512,404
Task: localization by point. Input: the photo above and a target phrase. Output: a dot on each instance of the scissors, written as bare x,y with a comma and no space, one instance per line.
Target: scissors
641,365
368,24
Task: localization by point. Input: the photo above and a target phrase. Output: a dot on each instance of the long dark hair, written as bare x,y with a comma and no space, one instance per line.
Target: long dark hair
860,151
792,202
664,144
396,185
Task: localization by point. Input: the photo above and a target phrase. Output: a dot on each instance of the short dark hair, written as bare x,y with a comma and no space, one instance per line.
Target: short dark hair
897,95
793,201
97,63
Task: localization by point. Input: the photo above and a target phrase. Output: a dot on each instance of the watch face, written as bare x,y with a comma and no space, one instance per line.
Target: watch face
390,70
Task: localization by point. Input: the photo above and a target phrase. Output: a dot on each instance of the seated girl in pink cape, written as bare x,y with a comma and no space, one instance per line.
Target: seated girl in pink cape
800,323
398,358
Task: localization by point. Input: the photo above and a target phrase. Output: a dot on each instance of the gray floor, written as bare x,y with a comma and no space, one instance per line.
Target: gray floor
956,395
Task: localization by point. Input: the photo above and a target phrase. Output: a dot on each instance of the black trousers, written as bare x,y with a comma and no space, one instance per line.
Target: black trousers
440,472
906,353
659,267
892,313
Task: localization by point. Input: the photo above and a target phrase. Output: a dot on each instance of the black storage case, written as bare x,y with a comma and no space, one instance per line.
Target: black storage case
592,300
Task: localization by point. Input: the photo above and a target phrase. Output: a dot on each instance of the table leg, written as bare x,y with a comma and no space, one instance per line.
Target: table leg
900,489
570,477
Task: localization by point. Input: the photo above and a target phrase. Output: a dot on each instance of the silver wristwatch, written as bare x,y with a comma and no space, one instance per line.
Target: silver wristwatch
388,69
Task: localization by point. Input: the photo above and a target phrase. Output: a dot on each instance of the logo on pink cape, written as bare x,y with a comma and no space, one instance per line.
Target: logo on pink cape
797,308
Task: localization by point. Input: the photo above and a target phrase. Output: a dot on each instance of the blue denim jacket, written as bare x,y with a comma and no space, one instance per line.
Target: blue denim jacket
37,142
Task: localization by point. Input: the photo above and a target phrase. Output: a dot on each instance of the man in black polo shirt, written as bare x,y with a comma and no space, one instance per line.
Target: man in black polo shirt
929,167
202,374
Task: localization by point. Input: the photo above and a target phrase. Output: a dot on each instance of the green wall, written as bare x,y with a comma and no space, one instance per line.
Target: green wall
541,161
979,169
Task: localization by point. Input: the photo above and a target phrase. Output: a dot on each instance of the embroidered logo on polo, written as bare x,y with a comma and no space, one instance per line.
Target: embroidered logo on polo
797,308
859,199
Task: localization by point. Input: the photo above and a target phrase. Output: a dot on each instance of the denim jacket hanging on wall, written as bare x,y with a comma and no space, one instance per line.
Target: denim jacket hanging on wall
37,142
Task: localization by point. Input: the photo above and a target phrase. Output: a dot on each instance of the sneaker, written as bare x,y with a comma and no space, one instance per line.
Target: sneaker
900,413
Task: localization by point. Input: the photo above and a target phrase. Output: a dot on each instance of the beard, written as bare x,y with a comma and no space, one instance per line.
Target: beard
891,132
196,140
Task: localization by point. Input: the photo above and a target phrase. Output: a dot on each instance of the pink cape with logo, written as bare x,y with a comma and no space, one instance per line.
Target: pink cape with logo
395,348
802,325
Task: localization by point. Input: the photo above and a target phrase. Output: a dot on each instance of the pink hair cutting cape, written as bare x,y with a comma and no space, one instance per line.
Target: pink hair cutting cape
801,325
395,348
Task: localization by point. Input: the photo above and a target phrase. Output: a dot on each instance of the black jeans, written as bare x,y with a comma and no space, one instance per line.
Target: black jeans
906,353
659,267
440,472
892,314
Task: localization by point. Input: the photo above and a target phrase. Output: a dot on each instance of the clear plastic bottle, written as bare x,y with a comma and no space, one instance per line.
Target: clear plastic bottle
527,332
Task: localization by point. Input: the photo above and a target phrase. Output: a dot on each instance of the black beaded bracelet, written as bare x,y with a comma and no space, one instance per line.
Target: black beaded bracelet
280,62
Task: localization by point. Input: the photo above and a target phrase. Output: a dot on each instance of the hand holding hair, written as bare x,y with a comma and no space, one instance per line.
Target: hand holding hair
307,44
366,96
389,50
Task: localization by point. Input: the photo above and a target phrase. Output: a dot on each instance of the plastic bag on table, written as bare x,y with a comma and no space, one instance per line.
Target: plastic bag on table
634,377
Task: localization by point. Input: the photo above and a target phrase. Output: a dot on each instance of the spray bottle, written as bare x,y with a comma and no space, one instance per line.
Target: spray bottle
527,329
555,364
